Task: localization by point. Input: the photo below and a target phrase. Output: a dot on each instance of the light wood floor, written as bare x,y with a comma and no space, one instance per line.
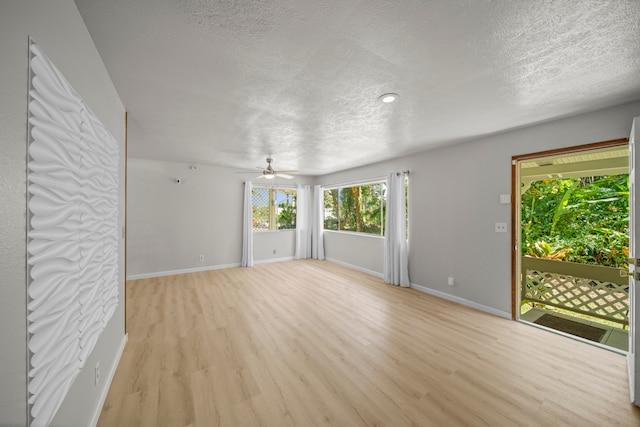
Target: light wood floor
310,343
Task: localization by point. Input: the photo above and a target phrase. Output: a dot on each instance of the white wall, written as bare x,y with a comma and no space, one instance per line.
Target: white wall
171,225
454,203
59,30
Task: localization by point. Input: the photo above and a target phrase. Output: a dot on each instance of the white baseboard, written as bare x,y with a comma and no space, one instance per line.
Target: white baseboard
462,301
182,271
433,292
107,383
355,267
266,261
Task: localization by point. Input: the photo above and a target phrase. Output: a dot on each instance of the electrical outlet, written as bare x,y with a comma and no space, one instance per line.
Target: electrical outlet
450,281
501,227
97,372
201,258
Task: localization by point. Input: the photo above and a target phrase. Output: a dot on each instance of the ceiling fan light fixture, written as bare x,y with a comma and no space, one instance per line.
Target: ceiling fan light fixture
268,176
388,98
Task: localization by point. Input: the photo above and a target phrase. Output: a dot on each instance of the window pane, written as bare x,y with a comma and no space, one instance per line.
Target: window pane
331,209
371,208
347,209
358,209
260,201
383,202
285,200
273,209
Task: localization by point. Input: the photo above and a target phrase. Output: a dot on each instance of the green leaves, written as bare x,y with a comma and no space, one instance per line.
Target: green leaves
357,209
562,204
582,220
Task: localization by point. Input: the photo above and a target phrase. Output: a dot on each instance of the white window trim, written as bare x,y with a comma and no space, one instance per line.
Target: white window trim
358,183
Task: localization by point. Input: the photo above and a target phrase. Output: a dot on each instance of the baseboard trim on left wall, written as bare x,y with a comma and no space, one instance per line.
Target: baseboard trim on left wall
107,383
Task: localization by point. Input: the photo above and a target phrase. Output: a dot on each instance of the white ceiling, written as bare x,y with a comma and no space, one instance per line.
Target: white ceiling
229,82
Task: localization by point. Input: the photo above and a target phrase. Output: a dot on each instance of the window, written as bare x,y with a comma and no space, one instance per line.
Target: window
359,209
273,209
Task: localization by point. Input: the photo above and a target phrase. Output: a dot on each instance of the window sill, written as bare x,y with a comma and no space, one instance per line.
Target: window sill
273,231
355,233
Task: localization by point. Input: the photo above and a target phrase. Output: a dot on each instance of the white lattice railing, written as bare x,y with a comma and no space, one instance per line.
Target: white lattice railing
588,289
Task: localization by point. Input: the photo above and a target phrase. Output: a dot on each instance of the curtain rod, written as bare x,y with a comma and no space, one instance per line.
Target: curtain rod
361,181
356,182
283,186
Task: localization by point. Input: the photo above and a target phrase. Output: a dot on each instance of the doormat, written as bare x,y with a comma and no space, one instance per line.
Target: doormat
581,330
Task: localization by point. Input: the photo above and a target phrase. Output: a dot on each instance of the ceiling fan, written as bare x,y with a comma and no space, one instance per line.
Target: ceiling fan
270,173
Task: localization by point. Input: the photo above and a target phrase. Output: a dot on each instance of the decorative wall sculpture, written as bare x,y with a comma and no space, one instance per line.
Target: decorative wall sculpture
73,235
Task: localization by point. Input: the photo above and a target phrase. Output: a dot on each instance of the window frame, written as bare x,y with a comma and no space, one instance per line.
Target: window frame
273,208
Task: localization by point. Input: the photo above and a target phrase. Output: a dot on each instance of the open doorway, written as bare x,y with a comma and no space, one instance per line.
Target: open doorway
571,240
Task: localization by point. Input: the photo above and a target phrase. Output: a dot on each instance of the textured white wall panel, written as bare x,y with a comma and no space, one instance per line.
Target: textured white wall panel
72,238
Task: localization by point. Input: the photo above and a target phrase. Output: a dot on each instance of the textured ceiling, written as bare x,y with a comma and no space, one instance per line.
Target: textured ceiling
229,82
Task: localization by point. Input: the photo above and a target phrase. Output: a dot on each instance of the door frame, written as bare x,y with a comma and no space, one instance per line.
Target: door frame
126,216
515,215
633,363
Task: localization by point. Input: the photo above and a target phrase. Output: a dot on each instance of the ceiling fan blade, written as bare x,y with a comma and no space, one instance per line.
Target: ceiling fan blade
288,172
283,175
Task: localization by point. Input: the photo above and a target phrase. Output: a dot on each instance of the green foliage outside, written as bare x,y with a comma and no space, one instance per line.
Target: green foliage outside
260,213
582,220
358,209
287,212
331,209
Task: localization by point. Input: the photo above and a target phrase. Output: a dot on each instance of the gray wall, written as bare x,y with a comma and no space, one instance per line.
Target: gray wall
171,225
59,30
269,246
454,203
364,252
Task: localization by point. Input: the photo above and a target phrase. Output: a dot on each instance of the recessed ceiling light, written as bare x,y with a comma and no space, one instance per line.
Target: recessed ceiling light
388,97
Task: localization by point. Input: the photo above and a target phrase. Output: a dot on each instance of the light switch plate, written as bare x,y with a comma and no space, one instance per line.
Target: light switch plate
505,199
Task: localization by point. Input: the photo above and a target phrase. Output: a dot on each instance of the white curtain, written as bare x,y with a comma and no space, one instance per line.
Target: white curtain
317,241
247,228
396,260
303,222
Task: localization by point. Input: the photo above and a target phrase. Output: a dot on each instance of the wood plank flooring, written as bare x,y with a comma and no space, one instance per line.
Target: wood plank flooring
311,343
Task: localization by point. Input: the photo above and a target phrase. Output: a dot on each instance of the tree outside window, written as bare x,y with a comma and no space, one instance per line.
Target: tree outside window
273,209
358,209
